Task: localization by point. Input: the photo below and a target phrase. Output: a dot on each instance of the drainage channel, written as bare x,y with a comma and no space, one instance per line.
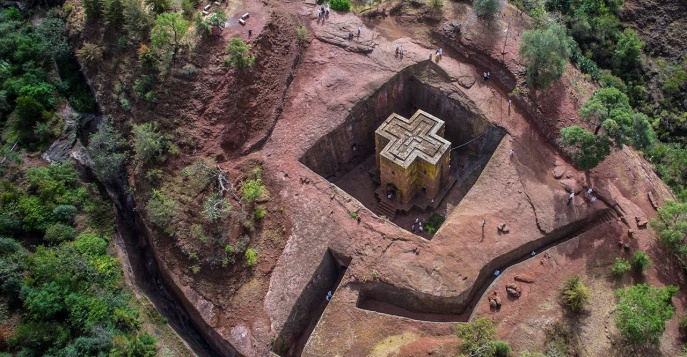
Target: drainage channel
391,300
310,305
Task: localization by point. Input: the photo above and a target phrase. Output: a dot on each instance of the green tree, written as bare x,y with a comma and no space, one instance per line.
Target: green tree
93,9
627,51
545,53
201,26
643,310
136,19
620,266
239,54
162,209
218,18
670,162
59,232
149,143
106,149
587,150
114,13
575,294
606,104
671,226
12,262
608,109
170,33
477,336
29,111
640,261
486,8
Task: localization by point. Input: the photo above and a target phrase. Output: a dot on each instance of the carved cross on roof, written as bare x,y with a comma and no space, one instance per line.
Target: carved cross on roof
413,138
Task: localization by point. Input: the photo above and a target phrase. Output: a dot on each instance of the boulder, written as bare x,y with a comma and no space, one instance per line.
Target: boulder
494,301
652,200
503,228
558,172
641,222
513,290
524,278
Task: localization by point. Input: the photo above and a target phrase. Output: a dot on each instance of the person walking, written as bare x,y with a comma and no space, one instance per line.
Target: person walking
570,198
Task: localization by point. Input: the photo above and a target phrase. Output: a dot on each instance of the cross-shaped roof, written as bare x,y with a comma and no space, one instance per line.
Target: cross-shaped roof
413,138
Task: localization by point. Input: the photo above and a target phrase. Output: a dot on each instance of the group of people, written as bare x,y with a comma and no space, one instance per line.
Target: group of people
399,50
486,75
417,223
323,12
587,194
439,54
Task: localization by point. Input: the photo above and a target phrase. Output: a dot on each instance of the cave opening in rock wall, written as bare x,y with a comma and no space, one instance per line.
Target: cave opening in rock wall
348,156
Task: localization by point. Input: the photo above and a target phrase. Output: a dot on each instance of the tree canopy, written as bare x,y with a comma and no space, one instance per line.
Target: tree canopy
545,53
239,55
170,33
587,149
608,109
643,310
671,226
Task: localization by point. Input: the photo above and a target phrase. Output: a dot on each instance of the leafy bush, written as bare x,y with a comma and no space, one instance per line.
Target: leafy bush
93,9
144,84
137,22
216,208
640,261
114,14
150,97
260,212
620,266
58,233
64,213
149,143
252,190
189,70
341,5
12,263
239,54
501,349
671,226
251,256
642,311
106,149
90,53
477,336
197,232
162,210
626,55
433,223
302,34
575,294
